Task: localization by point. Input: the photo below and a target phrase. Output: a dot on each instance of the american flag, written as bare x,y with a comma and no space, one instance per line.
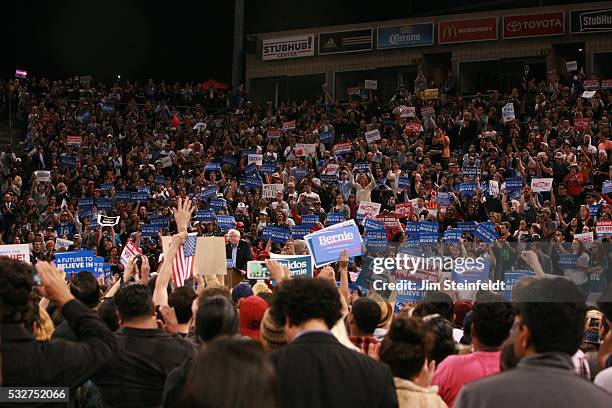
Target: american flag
182,268
353,276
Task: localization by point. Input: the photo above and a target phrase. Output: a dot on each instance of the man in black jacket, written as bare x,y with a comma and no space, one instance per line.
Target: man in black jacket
239,252
55,363
315,369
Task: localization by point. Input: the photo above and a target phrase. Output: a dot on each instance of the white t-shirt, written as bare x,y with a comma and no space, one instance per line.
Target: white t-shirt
604,379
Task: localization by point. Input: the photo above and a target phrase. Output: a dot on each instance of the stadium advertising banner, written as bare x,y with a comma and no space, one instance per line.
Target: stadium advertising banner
477,29
590,21
346,41
288,47
534,25
408,35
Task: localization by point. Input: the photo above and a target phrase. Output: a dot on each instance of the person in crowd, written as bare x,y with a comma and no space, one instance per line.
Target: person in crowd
363,319
252,310
404,349
545,373
308,309
491,319
27,362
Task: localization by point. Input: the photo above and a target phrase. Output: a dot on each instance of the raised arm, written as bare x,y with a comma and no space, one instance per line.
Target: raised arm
160,295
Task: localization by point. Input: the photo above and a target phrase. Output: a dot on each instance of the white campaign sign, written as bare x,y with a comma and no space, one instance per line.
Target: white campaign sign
62,243
372,136
508,112
368,209
541,184
43,175
19,252
371,84
255,158
270,190
305,149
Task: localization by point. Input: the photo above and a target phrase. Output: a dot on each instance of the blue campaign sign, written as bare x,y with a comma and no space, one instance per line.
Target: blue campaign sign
218,203
326,137
327,244
472,271
105,204
335,218
268,168
67,161
310,219
443,198
404,183
607,187
300,172
107,108
205,216
514,195
144,189
408,35
511,278
226,222
372,223
277,234
159,180
85,202
123,196
412,227
467,226
298,231
208,192
106,186
428,226
485,234
593,209
375,244
484,187
452,236
468,188
300,266
361,167
75,261
254,181
471,171
139,196
428,238
149,230
86,213
514,184
379,233
250,169
159,220
489,224
567,261
329,178
230,161
213,166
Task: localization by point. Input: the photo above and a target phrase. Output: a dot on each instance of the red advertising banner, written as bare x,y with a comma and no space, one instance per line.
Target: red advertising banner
534,25
478,29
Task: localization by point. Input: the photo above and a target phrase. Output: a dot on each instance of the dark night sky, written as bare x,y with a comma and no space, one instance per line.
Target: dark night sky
174,40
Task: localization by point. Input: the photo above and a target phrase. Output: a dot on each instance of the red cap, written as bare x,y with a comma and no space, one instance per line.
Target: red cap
252,310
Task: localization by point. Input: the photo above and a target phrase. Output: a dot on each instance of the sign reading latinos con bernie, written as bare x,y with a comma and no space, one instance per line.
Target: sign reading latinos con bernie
408,35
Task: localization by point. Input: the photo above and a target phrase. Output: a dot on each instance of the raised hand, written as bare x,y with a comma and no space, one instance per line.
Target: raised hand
182,214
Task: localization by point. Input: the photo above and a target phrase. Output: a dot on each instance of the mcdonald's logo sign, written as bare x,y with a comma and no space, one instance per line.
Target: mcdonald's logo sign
456,31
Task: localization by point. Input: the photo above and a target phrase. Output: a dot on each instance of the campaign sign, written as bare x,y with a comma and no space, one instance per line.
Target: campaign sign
136,196
230,161
75,261
594,209
300,266
375,243
428,226
299,231
473,272
300,172
403,210
511,278
326,245
378,233
67,161
342,148
485,234
254,181
159,220
270,190
310,219
335,218
372,223
106,221
226,222
471,171
468,188
329,179
104,204
277,234
123,196
148,230
607,187
508,112
218,203
208,192
326,137
18,252
361,167
428,238
85,202
404,183
467,226
539,185
513,184
604,227
443,199
268,168
372,136
213,167
567,261
452,236
144,189
106,186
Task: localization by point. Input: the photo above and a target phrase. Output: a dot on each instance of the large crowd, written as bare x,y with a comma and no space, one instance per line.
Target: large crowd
164,155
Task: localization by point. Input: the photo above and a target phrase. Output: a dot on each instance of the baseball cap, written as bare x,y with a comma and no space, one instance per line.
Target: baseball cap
252,310
242,290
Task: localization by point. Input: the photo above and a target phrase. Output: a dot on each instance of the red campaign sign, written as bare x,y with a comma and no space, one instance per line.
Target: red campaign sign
390,221
403,210
581,123
478,29
591,84
606,84
354,90
534,25
414,127
273,132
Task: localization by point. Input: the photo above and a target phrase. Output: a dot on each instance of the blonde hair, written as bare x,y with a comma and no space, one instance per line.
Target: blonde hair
43,328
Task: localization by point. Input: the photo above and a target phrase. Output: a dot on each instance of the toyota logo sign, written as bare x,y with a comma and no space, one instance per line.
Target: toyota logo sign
513,26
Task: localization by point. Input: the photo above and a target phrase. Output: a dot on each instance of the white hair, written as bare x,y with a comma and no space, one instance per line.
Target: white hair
233,230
